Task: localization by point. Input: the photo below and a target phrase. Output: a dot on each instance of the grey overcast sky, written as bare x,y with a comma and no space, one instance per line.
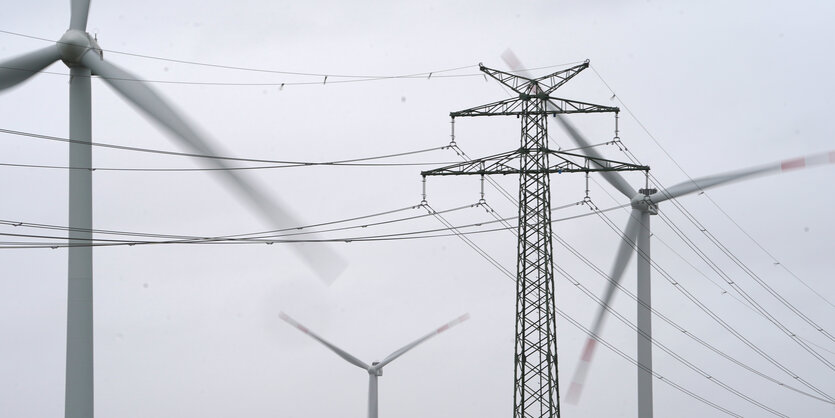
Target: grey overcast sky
193,330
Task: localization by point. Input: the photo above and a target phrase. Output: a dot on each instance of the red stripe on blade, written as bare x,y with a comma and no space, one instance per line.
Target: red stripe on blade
588,350
793,164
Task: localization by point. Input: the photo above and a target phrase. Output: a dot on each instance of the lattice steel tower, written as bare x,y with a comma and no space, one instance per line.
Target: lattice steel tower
536,387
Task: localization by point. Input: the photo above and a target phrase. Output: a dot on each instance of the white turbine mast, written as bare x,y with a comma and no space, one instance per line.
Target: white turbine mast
82,54
637,234
376,368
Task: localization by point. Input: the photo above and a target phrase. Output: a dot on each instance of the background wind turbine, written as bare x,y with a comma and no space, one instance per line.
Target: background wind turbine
81,53
376,368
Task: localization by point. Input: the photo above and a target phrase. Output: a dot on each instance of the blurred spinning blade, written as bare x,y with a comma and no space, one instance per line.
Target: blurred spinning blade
321,258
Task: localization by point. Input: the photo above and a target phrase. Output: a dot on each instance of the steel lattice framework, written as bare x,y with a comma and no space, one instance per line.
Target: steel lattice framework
536,386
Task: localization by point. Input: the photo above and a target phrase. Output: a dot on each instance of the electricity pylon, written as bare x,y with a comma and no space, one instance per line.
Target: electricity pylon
535,387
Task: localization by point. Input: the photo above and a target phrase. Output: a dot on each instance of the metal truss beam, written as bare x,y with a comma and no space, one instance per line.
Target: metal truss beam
510,163
542,85
515,106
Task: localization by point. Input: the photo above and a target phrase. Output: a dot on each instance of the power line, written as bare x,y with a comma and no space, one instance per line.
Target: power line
717,318
678,254
230,239
248,235
471,243
759,308
509,227
669,351
506,272
677,285
761,282
673,227
513,200
259,234
733,258
179,170
702,273
428,75
600,272
510,198
758,244
251,69
764,312
277,163
634,362
670,322
257,84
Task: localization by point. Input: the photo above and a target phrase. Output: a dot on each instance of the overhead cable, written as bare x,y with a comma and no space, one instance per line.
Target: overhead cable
428,75
507,195
717,318
507,273
227,240
654,311
734,285
278,163
746,233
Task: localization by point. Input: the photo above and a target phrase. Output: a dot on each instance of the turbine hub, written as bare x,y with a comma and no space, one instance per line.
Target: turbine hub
643,202
74,44
379,372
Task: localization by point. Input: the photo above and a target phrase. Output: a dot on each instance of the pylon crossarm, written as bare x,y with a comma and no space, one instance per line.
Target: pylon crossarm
549,83
598,164
517,83
573,106
509,106
494,164
545,84
515,106
508,163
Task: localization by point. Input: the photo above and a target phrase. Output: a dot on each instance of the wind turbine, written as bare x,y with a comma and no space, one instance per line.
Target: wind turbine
82,54
637,234
376,368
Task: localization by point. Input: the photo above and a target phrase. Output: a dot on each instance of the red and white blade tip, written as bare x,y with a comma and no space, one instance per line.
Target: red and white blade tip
293,322
812,160
576,387
454,322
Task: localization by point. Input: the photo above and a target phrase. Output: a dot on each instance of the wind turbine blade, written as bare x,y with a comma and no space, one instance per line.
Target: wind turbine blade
612,177
414,344
625,251
19,69
703,183
80,11
341,353
319,257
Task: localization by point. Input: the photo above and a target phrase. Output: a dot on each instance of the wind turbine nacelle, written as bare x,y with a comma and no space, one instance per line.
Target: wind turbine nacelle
643,201
74,44
379,372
